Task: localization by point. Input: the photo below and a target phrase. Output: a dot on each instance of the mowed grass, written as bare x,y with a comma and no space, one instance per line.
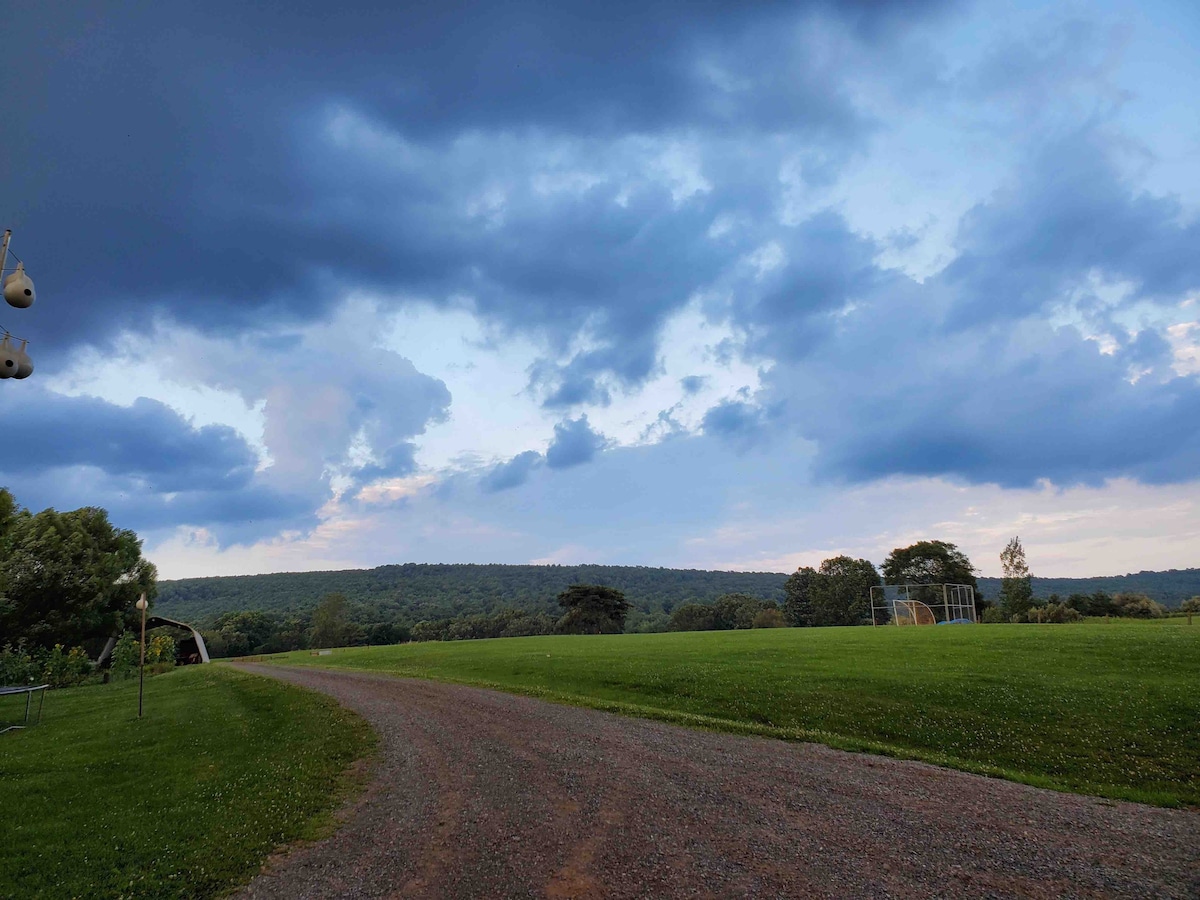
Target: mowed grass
187,802
1104,709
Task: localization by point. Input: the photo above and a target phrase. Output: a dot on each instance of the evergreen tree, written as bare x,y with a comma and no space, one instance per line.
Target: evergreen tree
592,609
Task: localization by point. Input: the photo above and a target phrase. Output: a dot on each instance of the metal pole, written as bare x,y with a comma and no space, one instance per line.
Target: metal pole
4,248
142,664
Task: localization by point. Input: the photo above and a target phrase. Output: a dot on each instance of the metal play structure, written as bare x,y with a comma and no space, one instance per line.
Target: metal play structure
28,690
923,604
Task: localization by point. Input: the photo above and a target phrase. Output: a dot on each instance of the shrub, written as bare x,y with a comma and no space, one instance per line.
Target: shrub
431,631
160,653
125,656
17,665
993,615
769,618
1060,613
63,669
1137,606
693,617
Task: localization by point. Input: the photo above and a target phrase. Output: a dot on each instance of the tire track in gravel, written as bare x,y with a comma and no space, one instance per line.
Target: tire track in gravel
483,794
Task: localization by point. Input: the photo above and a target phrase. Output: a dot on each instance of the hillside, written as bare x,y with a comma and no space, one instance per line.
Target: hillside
429,591
1169,588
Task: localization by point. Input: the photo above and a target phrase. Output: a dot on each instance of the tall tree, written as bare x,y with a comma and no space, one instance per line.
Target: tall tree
592,609
67,577
798,605
330,625
841,591
932,562
1016,587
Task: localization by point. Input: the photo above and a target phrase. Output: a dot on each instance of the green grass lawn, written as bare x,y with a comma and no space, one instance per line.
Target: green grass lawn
1105,709
187,802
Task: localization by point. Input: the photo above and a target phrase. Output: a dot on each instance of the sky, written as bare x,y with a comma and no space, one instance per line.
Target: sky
711,285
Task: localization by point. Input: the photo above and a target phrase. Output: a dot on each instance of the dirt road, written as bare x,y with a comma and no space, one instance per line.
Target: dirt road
482,794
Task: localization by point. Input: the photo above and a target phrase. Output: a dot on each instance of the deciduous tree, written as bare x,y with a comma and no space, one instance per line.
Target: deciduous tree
1016,587
592,609
331,627
67,577
841,591
932,562
798,605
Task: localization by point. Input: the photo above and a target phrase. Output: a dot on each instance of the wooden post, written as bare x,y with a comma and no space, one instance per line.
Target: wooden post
142,663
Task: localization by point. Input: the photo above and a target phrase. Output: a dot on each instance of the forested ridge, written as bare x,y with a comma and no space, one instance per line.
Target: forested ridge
416,591
431,591
1169,588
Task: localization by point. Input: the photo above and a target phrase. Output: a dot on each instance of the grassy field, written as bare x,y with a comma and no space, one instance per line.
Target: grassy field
1105,709
188,801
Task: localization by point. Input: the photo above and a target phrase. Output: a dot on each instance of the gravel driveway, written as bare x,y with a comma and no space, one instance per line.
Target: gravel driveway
484,794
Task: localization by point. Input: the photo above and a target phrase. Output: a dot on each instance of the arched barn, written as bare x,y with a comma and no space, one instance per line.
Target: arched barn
189,649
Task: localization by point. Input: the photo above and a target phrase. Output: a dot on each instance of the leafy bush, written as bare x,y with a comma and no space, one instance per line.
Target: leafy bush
431,631
61,669
1061,612
730,612
125,656
993,615
1051,614
769,618
1137,606
160,653
22,665
17,665
692,617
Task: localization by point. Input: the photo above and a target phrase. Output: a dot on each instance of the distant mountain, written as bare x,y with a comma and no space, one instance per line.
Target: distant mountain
422,591
1169,588
429,591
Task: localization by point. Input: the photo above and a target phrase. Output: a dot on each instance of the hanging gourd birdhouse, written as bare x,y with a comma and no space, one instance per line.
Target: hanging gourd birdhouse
24,363
18,289
10,363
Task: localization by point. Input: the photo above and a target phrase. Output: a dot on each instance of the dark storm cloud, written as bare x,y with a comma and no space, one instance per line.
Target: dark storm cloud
148,441
145,463
229,165
163,163
1070,216
732,418
1065,413
1000,402
511,474
574,443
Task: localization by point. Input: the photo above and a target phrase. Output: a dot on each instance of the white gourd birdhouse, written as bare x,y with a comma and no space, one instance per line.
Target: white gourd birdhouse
9,362
18,289
24,363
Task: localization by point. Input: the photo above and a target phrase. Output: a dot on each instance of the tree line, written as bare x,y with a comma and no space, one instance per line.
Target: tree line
419,591
413,592
70,579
